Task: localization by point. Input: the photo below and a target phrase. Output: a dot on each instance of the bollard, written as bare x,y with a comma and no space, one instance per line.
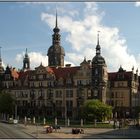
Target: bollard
95,122
55,121
25,121
44,121
68,122
33,120
81,122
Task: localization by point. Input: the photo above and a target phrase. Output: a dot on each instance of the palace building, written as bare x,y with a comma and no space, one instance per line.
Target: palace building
60,91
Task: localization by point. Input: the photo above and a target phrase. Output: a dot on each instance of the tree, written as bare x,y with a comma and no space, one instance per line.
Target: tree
95,109
6,103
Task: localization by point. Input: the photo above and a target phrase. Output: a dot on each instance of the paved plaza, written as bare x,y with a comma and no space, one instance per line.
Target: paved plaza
66,132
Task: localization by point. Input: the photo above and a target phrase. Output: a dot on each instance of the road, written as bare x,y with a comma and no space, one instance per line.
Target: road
12,131
33,131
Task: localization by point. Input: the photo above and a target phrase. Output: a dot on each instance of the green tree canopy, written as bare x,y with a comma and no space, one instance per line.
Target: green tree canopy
95,109
6,103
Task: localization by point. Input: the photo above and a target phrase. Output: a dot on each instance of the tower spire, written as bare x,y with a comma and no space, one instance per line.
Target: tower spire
56,29
26,53
98,45
26,50
56,19
98,38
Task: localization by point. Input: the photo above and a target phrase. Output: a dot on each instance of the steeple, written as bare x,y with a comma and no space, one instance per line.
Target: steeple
56,52
56,29
98,48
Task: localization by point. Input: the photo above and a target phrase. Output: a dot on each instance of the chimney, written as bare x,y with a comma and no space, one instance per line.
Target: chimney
68,65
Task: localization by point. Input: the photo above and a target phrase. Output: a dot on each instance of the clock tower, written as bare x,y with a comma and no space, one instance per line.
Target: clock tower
56,52
99,75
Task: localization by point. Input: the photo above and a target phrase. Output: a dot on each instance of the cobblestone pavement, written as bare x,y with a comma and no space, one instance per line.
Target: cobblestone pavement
65,132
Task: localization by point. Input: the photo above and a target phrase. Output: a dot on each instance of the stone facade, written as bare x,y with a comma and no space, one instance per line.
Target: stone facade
60,91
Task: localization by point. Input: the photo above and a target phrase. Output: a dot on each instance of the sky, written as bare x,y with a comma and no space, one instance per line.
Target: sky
30,25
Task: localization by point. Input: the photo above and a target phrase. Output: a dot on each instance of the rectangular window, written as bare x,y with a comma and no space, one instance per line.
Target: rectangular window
79,82
80,92
68,81
112,94
40,84
50,93
40,93
40,77
89,93
69,104
58,94
69,93
50,84
58,103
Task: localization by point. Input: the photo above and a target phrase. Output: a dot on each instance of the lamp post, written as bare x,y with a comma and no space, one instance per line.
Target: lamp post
54,109
65,114
135,109
16,108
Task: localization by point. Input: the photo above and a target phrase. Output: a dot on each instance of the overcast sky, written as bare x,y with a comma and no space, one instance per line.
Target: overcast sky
30,25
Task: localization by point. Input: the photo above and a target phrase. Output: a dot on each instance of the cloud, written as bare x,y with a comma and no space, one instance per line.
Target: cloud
36,58
36,3
137,4
82,35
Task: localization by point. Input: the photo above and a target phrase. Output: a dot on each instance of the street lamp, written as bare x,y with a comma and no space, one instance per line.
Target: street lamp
65,114
53,109
16,108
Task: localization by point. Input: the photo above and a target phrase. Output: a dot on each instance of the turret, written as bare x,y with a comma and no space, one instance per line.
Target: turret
26,62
